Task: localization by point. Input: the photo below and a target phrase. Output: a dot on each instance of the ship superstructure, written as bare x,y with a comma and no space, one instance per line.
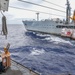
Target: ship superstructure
51,26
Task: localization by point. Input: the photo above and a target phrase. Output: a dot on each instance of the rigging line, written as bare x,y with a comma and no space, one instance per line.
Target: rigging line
34,11
2,13
53,3
42,6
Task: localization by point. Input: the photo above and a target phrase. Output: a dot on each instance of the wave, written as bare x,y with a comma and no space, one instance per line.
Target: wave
37,51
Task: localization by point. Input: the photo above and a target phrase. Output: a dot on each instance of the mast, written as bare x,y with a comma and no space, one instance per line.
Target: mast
37,16
68,12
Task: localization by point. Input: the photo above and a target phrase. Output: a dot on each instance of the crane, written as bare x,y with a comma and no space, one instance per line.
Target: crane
4,4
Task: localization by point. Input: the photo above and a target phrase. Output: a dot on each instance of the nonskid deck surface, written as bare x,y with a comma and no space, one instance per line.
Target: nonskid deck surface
18,69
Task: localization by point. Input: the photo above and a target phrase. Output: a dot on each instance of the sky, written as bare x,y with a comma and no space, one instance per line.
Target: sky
19,15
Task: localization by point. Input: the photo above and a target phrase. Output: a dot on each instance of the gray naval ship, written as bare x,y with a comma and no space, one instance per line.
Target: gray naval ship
50,26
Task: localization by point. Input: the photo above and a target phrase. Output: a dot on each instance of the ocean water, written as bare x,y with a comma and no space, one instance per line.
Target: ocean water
44,53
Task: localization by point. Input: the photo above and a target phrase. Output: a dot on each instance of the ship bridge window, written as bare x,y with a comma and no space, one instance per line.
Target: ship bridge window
71,27
59,26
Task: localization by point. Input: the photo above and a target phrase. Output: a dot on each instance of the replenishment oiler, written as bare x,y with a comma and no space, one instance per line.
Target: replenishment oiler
58,27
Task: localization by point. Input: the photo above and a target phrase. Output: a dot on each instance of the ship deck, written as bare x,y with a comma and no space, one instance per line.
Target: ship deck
18,69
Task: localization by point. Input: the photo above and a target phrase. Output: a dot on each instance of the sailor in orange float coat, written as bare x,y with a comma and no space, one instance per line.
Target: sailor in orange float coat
6,58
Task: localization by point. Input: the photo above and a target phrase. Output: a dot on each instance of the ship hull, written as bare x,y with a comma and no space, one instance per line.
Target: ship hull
48,27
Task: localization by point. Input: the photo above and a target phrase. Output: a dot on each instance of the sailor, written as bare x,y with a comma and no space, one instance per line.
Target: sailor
0,64
73,18
6,57
2,69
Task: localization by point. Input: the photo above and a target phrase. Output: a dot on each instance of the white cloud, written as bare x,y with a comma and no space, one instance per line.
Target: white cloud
23,4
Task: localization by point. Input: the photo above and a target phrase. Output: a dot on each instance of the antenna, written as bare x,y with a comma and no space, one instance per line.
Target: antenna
37,16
